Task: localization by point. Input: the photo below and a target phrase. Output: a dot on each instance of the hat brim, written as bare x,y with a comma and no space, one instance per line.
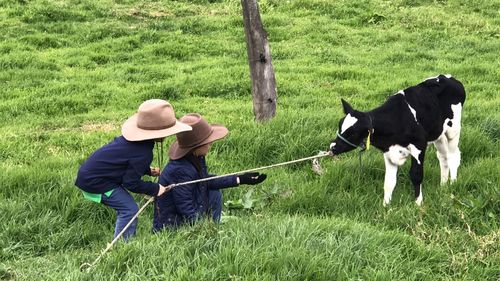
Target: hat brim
131,132
176,152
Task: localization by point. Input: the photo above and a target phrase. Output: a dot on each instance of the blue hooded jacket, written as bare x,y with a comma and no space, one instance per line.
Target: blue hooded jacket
186,203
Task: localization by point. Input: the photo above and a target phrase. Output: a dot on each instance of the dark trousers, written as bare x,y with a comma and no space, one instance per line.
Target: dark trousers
170,218
215,204
125,207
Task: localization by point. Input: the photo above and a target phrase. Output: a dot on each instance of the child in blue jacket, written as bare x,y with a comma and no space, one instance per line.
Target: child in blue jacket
113,170
188,203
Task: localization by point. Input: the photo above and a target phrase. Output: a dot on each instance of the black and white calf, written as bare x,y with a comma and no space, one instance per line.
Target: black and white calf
402,127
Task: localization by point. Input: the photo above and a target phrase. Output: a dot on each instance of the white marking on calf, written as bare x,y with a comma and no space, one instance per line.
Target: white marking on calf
401,92
391,173
455,121
441,145
394,157
446,145
415,152
332,145
420,197
453,135
434,77
437,79
413,111
397,154
349,120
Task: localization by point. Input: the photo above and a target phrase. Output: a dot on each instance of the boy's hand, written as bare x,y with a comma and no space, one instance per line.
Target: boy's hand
251,178
161,190
164,189
155,172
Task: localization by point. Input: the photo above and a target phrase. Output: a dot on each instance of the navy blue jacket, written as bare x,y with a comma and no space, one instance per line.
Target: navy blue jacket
185,204
120,163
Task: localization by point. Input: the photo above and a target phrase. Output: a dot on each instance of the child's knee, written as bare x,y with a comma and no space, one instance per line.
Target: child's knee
129,212
215,197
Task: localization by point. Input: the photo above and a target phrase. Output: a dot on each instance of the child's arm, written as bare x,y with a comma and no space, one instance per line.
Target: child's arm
232,181
225,182
132,181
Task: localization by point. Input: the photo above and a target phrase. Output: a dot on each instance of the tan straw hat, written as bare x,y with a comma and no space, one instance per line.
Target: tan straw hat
154,119
201,134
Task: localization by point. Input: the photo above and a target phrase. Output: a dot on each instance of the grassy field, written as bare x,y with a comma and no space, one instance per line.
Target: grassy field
71,71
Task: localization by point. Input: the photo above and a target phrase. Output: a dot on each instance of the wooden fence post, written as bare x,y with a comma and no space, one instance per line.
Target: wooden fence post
259,59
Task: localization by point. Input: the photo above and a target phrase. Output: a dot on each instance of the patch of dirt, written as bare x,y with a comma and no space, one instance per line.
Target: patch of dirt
488,245
148,12
99,127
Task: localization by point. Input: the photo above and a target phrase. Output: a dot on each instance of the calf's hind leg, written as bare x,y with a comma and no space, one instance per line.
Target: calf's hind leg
441,145
453,156
453,136
417,174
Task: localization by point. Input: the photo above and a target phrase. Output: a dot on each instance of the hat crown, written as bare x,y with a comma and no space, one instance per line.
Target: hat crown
201,131
155,114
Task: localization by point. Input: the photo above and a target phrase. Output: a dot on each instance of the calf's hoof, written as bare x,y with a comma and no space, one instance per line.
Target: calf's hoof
386,202
419,201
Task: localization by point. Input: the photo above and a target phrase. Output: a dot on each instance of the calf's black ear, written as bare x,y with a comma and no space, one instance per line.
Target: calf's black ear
347,107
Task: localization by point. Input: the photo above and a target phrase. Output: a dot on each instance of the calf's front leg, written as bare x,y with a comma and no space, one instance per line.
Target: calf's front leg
417,173
391,173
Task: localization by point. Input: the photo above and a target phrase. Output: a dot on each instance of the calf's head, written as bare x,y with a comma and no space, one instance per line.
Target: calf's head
353,130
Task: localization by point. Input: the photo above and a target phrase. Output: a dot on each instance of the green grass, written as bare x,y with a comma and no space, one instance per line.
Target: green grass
71,71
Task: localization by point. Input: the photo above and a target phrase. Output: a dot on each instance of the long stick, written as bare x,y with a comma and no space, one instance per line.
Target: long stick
87,267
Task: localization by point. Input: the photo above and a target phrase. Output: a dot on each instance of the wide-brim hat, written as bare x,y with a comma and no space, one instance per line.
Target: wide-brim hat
155,119
202,133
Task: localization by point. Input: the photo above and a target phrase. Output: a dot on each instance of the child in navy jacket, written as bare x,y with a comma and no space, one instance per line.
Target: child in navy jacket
117,167
188,203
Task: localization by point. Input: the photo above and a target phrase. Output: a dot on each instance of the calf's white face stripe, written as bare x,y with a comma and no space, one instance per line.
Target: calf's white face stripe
332,145
349,120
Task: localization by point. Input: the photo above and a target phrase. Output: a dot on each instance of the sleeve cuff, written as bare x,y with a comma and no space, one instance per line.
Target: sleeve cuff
155,190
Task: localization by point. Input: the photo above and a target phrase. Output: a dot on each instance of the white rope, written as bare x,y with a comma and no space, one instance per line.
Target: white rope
87,267
319,155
